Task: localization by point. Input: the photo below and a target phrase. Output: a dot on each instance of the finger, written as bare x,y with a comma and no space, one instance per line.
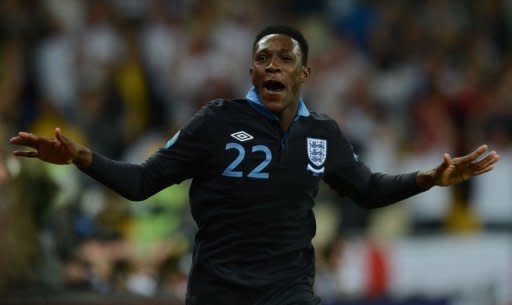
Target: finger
27,154
446,162
490,159
447,159
61,137
478,152
483,171
24,138
471,156
27,135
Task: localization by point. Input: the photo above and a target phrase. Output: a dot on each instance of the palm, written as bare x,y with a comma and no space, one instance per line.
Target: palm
453,175
54,150
457,170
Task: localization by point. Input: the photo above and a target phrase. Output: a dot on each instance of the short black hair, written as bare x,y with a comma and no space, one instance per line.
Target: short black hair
288,31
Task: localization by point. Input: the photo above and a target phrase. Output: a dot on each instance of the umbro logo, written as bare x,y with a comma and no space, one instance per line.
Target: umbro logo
242,136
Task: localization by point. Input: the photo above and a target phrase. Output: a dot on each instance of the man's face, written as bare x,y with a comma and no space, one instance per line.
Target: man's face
277,72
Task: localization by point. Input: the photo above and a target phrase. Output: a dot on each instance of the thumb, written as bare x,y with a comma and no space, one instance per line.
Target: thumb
60,137
446,161
441,168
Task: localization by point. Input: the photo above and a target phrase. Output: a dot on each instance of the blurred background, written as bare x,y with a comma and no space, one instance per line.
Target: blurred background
406,79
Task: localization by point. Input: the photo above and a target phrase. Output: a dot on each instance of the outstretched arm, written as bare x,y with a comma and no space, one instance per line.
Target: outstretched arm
181,159
373,190
132,181
457,170
351,177
124,178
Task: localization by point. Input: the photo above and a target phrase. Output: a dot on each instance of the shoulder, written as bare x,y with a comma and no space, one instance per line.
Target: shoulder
343,150
219,106
215,111
320,116
324,120
222,105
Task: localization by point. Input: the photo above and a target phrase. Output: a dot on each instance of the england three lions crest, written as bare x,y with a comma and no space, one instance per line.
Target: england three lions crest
317,154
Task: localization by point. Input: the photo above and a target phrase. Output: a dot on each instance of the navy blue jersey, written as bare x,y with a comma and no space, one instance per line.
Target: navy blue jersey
253,186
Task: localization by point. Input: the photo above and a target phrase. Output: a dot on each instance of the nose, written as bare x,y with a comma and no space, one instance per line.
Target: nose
273,65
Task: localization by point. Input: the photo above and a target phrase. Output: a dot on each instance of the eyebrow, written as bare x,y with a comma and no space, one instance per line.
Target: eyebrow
279,51
295,45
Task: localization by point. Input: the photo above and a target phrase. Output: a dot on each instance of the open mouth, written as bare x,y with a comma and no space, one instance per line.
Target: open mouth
274,85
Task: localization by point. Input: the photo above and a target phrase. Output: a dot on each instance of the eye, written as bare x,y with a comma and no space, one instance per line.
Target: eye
260,58
287,58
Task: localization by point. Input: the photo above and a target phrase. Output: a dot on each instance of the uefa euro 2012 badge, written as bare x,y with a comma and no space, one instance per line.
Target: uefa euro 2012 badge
317,154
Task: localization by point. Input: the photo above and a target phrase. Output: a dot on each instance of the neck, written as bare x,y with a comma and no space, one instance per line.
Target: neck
287,116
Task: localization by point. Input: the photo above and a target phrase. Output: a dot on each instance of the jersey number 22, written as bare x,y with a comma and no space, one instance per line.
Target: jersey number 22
256,173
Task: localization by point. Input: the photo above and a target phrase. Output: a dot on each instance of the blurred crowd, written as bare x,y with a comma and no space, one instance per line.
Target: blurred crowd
406,80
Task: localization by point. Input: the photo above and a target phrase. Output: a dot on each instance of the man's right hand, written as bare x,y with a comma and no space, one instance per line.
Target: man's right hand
58,150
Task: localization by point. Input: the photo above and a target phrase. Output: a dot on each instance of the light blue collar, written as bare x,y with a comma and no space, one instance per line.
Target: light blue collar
255,101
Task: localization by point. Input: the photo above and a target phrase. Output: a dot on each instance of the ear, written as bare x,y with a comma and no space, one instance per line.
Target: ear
306,71
250,70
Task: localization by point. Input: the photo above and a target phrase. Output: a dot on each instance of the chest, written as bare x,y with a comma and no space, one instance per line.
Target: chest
262,154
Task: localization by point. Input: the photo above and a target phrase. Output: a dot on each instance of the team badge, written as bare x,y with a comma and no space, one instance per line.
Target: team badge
317,154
